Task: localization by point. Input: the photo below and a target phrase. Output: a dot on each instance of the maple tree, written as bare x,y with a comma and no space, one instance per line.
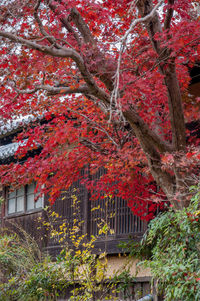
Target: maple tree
107,82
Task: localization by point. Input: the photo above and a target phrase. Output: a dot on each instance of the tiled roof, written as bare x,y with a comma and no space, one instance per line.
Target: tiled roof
9,150
10,126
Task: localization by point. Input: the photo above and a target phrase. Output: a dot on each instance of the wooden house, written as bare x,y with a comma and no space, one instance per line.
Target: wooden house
20,210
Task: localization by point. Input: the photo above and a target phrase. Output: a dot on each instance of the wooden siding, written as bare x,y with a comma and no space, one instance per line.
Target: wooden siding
30,223
91,215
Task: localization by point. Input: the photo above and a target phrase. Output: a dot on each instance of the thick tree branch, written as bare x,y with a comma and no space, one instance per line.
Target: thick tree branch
163,179
93,146
150,140
66,24
167,68
77,19
102,70
175,108
65,53
151,145
81,26
169,15
55,90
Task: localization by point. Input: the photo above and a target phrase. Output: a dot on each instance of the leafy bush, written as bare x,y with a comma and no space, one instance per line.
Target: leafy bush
18,254
171,247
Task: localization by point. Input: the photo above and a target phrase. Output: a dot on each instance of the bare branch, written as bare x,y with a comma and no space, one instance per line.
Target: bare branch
55,90
51,39
93,146
140,20
115,92
97,126
63,52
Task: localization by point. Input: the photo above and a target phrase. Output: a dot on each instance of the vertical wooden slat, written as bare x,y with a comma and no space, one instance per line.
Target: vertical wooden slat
3,207
86,207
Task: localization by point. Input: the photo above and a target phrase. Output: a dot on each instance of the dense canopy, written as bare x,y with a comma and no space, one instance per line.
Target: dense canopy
107,83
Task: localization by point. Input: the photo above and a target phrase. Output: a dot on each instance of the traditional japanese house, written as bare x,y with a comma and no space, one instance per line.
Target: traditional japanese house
21,210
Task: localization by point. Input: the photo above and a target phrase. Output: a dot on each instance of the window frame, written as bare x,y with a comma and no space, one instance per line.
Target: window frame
24,211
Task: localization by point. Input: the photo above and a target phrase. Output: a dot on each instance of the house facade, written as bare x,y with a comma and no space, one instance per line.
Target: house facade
20,210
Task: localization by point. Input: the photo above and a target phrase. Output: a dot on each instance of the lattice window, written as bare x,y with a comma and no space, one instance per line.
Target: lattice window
116,215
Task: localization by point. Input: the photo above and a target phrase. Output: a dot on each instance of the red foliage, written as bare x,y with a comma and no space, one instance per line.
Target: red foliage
72,94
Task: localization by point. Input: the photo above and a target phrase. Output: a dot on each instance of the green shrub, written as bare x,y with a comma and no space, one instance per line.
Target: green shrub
171,248
18,254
